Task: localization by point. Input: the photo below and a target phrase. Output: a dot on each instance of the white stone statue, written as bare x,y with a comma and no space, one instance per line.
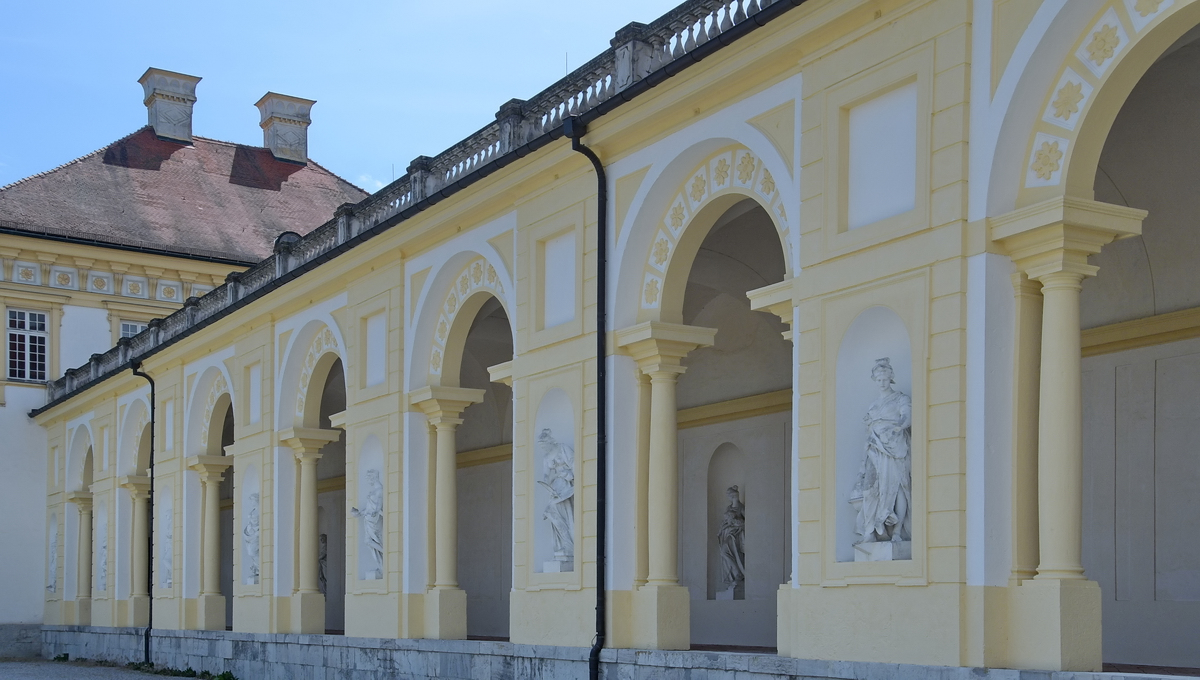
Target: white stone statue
322,561
371,525
102,554
166,548
731,545
52,586
558,476
883,492
250,542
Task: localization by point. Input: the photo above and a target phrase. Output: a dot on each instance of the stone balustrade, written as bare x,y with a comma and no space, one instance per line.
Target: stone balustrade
637,52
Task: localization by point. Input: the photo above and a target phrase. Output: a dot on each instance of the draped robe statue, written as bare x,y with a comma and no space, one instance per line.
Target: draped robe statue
250,540
884,484
371,515
731,541
558,476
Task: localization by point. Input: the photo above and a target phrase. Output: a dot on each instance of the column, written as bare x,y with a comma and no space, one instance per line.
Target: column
1054,621
138,609
308,604
83,577
661,607
446,604
1027,363
210,611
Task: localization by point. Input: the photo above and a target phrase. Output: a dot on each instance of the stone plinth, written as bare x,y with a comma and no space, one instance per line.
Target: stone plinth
883,551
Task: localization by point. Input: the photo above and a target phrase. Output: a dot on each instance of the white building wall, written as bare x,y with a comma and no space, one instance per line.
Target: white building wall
84,331
23,451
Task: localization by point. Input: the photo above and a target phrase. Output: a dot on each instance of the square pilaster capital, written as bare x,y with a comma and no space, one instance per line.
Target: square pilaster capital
658,346
138,485
443,403
502,373
81,498
308,440
338,420
1059,234
210,467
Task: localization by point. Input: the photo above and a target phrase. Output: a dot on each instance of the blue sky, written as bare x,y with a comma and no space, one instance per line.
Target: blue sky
392,80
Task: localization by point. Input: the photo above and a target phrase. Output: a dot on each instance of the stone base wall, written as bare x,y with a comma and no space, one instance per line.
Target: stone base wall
20,640
252,656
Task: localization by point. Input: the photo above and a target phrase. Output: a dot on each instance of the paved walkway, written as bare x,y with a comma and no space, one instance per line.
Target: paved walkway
57,670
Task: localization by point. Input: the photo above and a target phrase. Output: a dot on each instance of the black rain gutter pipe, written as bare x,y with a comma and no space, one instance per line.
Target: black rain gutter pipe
136,365
651,80
575,130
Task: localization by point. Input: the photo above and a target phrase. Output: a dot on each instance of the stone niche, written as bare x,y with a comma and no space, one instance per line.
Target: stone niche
876,415
554,469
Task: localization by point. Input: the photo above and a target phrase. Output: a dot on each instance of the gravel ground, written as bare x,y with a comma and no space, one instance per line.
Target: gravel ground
57,670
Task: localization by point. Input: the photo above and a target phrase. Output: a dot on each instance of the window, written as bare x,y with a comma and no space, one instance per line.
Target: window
131,328
26,345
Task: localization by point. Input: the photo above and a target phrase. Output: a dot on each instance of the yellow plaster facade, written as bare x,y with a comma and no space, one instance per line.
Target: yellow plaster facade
771,119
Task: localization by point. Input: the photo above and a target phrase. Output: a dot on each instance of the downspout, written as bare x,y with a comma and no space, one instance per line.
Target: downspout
575,129
137,370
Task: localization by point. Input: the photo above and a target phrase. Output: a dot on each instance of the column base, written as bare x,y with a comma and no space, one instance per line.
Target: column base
662,617
78,612
210,612
308,613
1055,625
137,610
446,614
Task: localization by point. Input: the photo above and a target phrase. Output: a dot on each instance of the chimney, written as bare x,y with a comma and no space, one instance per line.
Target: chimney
285,123
169,100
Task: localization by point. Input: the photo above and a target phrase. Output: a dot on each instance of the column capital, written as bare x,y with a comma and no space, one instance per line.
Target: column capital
776,299
210,467
443,405
658,347
307,441
81,498
138,485
1058,235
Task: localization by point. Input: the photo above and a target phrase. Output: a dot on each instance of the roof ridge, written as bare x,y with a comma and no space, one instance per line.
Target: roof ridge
340,178
82,158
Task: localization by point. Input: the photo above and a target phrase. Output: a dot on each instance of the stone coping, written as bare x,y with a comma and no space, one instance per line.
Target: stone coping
619,662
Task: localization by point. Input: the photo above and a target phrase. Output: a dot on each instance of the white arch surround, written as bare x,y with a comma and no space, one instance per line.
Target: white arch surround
1019,123
137,416
80,433
316,326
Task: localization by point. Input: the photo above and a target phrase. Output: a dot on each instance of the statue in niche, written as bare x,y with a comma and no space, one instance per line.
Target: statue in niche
53,585
166,558
558,477
731,546
102,559
371,515
883,492
322,561
250,540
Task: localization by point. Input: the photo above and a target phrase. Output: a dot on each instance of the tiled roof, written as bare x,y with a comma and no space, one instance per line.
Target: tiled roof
211,199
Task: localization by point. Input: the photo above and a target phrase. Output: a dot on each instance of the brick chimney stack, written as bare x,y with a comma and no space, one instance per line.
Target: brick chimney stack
285,122
169,99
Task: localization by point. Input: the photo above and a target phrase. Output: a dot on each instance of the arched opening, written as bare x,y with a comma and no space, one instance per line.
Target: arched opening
221,436
748,366
1140,409
331,503
484,443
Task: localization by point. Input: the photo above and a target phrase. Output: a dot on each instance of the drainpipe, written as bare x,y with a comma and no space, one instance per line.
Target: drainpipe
137,370
575,129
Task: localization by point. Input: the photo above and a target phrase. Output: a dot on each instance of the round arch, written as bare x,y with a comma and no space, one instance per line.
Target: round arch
462,288
675,226
1065,127
78,478
318,345
213,389
129,454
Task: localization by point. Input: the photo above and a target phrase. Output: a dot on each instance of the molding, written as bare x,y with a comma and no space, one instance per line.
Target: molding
485,456
735,409
331,484
1151,330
